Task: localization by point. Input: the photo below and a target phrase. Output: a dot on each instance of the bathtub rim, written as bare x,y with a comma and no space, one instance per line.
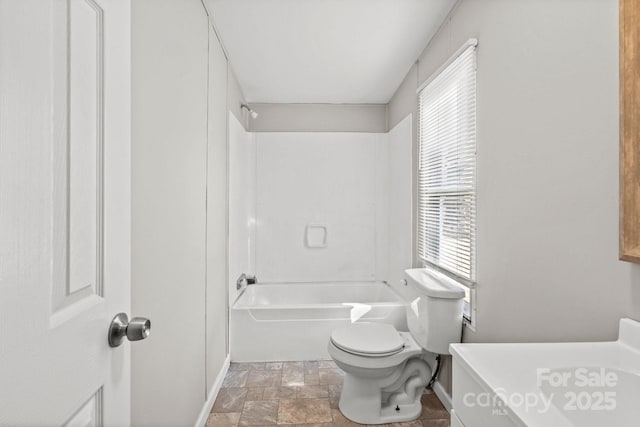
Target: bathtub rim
384,283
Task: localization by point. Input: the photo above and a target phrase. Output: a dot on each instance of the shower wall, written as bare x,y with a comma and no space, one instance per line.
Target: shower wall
242,203
316,199
400,241
320,206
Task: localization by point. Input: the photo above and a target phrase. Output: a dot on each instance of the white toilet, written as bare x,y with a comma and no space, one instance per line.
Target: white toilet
386,370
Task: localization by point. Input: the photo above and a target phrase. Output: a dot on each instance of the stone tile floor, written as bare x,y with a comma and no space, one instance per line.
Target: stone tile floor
300,394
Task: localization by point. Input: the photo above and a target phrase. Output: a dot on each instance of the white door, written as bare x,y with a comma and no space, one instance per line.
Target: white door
64,211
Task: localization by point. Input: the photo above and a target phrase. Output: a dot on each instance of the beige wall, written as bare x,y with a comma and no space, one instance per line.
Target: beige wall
403,101
547,127
236,98
217,319
179,205
319,118
169,148
401,105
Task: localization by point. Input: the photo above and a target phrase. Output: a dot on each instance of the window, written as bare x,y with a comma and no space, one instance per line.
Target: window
447,167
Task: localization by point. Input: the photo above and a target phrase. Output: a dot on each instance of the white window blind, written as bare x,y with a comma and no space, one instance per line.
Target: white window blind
447,168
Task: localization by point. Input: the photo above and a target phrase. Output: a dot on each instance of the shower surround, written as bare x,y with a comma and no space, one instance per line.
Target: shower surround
312,211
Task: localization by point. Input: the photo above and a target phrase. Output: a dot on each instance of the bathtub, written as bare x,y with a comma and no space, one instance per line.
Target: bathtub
293,321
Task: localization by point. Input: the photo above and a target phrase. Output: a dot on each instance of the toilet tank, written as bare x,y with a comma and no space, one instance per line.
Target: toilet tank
434,309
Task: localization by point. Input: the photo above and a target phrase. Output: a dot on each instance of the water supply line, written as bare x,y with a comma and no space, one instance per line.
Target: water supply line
436,372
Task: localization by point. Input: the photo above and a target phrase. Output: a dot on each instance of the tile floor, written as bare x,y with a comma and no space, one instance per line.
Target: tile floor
300,394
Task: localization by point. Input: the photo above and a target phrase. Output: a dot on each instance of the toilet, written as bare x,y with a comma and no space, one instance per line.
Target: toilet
386,370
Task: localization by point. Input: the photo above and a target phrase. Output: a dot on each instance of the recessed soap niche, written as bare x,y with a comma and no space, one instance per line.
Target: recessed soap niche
315,236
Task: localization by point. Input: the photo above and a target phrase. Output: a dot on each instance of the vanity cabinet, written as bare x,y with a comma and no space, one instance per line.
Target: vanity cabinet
469,409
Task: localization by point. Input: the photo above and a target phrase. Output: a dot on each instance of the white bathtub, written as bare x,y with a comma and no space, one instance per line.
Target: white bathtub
274,322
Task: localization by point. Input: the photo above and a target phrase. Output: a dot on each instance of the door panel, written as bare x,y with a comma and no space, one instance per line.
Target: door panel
64,211
84,145
90,414
78,82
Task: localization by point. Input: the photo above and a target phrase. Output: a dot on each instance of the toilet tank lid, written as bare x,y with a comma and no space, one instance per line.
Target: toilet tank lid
434,284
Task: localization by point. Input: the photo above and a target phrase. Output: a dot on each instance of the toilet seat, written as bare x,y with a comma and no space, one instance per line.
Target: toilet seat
368,339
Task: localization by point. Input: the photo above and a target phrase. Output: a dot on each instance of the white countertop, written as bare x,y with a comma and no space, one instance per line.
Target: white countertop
530,371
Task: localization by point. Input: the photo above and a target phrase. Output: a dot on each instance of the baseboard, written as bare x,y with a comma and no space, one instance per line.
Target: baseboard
213,393
442,395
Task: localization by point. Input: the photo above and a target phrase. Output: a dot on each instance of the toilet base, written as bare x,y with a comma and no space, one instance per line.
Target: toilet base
361,399
387,415
406,412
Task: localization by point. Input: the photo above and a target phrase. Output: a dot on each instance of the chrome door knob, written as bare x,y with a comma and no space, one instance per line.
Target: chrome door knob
137,329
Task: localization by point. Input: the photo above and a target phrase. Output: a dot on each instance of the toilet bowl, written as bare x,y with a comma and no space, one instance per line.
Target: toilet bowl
386,370
376,389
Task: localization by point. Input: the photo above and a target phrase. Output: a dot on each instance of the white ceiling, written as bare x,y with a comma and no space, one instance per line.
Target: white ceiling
324,51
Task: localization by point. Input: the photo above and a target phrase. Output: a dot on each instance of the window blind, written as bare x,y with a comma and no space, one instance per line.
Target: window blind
447,167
